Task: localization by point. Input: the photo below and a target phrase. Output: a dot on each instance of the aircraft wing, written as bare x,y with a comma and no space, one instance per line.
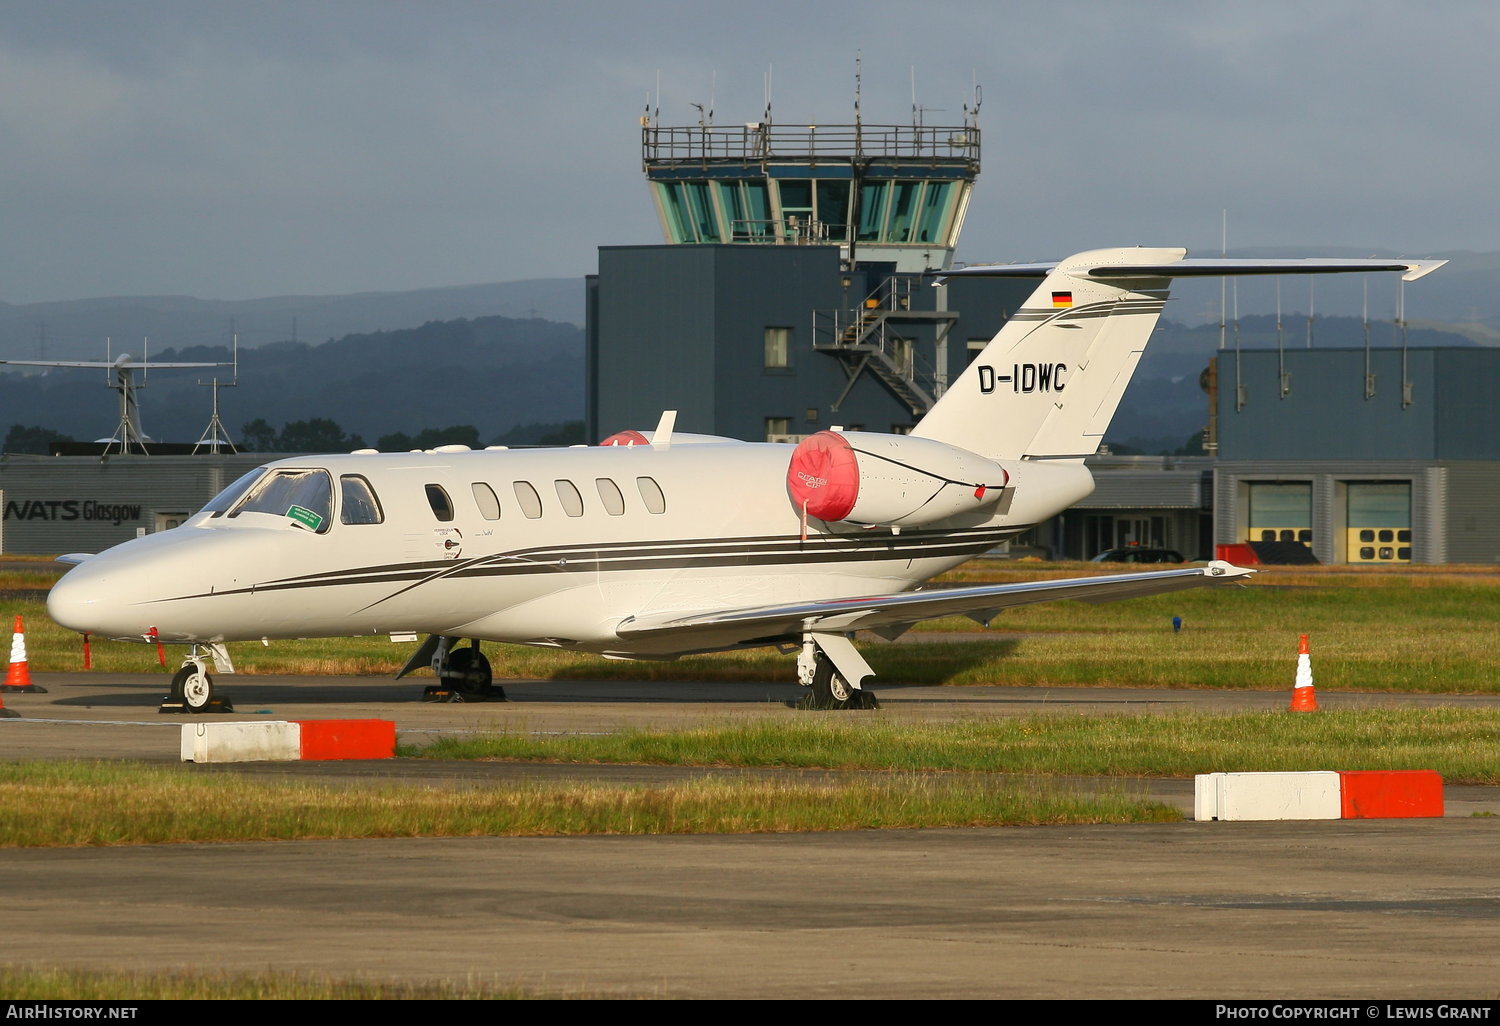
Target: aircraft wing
898,611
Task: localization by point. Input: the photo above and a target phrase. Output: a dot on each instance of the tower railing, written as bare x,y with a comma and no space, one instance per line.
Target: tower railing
761,142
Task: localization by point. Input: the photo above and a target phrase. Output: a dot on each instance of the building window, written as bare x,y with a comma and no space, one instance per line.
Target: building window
777,428
778,347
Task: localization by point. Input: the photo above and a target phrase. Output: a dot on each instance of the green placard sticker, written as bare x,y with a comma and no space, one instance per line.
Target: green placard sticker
306,517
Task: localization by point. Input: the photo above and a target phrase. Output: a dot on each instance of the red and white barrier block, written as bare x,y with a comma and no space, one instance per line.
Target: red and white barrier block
288,740
1360,794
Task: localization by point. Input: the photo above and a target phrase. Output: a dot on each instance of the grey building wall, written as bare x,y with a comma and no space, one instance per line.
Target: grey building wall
1472,516
57,504
1451,414
683,327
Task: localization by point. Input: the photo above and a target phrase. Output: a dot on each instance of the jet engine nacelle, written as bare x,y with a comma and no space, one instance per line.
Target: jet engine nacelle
868,478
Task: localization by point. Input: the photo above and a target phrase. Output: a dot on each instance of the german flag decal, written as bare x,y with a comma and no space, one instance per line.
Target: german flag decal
1062,300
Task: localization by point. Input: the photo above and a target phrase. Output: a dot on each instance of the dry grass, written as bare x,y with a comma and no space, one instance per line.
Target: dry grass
91,804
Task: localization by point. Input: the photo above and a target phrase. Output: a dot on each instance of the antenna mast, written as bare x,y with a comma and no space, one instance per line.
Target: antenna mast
216,435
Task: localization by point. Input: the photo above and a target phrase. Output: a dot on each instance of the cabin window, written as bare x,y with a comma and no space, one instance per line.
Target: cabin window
651,495
609,494
229,496
304,497
531,502
442,506
487,501
567,494
358,504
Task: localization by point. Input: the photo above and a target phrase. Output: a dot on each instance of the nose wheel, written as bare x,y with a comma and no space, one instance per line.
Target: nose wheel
193,690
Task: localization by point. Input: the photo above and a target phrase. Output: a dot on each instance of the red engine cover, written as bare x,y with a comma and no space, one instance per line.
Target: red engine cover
823,476
626,438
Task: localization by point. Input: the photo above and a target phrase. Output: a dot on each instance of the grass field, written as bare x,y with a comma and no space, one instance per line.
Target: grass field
1419,629
1463,745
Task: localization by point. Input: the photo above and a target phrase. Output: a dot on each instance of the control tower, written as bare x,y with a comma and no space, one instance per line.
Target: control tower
884,194
794,289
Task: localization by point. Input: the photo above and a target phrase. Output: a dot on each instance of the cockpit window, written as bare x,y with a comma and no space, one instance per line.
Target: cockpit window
358,504
304,497
219,503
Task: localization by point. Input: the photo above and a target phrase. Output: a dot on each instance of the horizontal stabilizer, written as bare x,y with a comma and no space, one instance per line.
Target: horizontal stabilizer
1201,268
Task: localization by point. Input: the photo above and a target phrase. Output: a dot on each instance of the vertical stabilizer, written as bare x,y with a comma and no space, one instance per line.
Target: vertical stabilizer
1048,384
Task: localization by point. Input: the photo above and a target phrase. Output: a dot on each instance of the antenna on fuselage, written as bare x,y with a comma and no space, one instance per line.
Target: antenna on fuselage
661,438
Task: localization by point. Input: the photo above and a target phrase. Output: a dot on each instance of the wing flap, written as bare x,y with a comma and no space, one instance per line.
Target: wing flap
874,612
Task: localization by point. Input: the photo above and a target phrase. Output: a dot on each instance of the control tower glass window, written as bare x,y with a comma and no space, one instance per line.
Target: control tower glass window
701,206
872,203
933,227
903,211
833,210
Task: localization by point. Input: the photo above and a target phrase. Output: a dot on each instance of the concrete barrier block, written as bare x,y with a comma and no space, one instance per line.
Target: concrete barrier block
1267,796
1391,794
261,741
348,739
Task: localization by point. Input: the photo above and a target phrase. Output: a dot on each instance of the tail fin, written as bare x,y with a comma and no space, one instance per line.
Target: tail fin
1047,385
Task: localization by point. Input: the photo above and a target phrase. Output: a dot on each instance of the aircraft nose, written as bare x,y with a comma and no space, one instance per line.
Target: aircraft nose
74,601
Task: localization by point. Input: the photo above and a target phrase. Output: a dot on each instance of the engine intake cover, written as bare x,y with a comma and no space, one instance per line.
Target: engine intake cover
869,478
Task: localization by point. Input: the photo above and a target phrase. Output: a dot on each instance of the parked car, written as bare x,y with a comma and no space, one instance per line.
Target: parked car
1133,554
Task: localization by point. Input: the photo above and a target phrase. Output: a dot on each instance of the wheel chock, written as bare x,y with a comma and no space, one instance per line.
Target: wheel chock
177,705
438,693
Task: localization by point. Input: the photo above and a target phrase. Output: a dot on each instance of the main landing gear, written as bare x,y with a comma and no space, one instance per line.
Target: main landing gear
463,673
193,688
826,665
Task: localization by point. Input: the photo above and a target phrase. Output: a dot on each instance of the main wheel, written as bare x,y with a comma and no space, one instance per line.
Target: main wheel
193,687
829,689
469,673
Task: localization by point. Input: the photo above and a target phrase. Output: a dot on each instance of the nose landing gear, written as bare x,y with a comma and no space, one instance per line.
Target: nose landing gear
193,688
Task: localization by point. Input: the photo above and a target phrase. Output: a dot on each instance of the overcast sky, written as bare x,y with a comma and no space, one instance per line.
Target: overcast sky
234,150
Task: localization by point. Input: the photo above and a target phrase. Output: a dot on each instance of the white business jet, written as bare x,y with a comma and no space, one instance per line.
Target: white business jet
660,543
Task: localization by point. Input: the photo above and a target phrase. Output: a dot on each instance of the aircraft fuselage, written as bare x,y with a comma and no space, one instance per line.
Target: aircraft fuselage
540,546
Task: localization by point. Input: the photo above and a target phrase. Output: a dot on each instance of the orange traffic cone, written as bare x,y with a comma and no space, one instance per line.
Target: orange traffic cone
1304,698
18,677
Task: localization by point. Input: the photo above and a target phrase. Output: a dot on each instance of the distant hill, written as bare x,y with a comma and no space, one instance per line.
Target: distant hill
76,330
502,355
492,372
